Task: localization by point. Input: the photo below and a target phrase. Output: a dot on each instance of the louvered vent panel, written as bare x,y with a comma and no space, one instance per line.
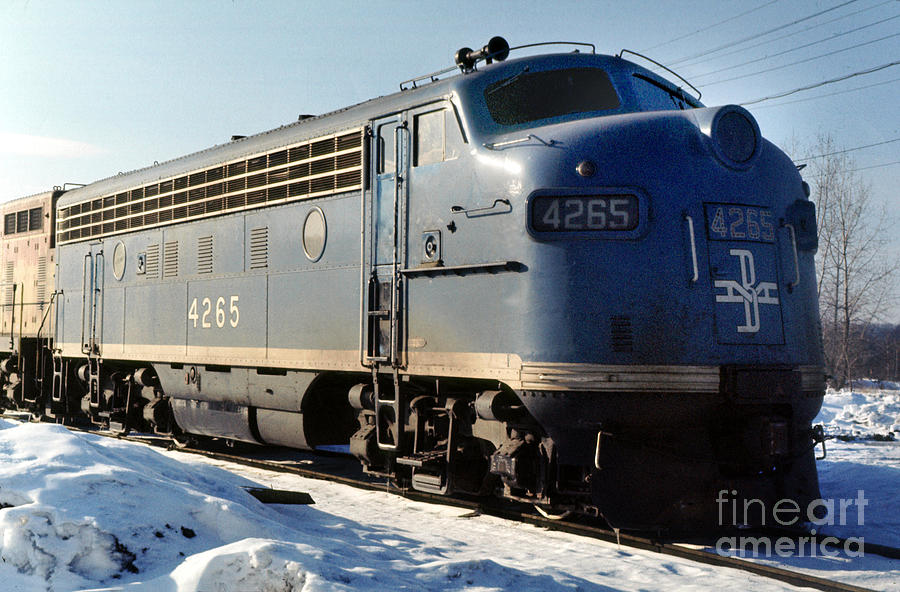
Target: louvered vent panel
314,168
205,254
152,264
621,334
259,248
8,276
41,282
170,259
35,219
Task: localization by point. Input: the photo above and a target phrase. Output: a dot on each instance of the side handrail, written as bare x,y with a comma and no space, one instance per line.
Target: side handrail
44,318
84,296
97,298
690,223
469,212
793,234
396,279
12,320
435,76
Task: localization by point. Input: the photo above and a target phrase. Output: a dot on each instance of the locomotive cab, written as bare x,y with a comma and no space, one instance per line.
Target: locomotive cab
670,317
650,266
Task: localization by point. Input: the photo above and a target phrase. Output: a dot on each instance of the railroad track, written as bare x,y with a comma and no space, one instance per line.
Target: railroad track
700,554
298,463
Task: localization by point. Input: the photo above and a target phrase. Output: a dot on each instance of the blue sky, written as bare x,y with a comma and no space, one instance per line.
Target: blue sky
88,89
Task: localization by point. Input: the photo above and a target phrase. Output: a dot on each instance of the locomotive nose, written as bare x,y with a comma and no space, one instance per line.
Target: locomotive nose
734,135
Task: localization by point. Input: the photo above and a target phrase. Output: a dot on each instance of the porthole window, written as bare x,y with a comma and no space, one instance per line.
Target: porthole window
119,260
314,234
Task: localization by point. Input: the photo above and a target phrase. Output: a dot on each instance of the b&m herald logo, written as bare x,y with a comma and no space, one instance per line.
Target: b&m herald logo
747,291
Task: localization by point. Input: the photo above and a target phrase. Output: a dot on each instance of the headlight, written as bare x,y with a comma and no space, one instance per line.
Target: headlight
734,134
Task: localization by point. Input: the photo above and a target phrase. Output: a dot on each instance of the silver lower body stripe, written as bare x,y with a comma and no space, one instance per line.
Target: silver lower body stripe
608,378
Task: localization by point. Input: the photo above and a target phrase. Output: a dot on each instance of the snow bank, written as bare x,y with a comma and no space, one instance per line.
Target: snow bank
81,510
873,384
864,415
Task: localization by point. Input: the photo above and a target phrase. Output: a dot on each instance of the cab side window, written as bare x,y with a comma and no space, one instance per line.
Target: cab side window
437,137
386,150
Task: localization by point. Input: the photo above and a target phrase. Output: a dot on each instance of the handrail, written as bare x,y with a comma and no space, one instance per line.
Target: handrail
97,296
669,70
399,189
482,211
53,296
433,76
793,233
84,297
12,320
690,222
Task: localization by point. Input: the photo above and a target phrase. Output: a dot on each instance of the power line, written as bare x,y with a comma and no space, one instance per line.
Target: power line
709,27
799,47
823,83
875,166
839,92
792,33
818,57
848,150
758,35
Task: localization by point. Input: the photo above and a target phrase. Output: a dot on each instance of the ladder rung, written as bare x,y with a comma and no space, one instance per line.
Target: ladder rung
410,462
423,458
379,313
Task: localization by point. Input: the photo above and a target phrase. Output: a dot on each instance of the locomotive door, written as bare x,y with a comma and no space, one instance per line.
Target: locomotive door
385,250
93,267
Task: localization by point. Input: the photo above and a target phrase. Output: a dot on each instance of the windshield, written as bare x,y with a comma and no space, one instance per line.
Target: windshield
529,96
655,96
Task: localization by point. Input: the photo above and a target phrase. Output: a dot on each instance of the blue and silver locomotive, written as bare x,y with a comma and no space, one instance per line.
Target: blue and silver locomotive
559,279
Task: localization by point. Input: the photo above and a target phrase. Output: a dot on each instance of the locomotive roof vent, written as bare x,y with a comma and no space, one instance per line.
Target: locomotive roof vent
496,49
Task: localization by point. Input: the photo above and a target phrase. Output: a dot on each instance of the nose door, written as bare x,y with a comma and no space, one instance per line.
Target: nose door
743,266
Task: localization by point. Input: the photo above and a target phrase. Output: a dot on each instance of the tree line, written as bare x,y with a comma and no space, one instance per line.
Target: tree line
856,267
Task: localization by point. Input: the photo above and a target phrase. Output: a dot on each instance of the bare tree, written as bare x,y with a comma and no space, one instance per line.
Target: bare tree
857,272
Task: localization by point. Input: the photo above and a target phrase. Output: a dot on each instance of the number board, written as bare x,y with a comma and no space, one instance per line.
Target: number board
729,222
584,213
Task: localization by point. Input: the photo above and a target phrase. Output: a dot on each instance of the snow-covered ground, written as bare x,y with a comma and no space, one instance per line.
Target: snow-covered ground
83,512
864,456
865,413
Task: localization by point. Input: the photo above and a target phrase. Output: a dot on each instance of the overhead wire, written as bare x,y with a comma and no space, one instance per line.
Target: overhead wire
743,42
803,61
758,35
797,48
846,150
708,27
790,34
875,166
823,83
831,94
